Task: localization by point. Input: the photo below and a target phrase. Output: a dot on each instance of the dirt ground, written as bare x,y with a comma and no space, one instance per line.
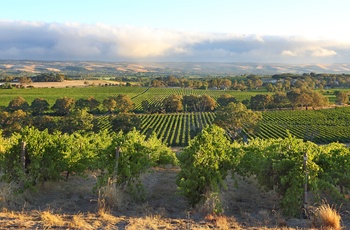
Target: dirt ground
245,207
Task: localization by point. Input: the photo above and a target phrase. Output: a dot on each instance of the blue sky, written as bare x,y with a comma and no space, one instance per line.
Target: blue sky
293,31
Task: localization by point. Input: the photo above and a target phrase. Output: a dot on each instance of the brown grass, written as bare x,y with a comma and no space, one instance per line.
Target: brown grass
148,222
51,220
220,222
110,196
326,217
79,222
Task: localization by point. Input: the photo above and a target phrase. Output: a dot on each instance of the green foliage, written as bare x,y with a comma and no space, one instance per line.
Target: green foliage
39,105
14,121
136,156
125,122
335,169
160,153
278,164
63,106
204,165
43,161
173,103
18,103
235,118
77,120
48,156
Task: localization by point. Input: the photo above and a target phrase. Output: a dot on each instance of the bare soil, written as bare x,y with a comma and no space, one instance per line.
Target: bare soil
77,206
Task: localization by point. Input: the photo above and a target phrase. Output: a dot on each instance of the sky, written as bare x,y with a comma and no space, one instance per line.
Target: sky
265,31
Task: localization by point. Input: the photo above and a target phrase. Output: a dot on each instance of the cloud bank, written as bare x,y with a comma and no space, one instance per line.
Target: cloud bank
98,42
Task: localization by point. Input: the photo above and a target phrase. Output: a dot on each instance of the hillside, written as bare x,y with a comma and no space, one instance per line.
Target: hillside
165,68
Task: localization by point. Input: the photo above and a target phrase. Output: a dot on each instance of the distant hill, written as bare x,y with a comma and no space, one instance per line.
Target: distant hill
165,68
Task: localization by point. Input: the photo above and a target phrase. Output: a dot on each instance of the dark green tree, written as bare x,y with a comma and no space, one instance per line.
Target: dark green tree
173,103
236,118
64,106
125,122
225,99
39,105
18,103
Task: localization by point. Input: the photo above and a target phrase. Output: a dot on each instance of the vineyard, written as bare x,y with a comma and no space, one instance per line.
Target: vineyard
275,163
175,129
137,94
319,126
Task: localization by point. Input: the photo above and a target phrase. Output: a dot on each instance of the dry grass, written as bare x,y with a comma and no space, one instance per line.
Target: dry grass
72,205
111,196
326,217
149,222
222,222
51,220
79,222
106,217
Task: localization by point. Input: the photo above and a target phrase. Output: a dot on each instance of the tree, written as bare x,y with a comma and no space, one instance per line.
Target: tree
145,106
225,99
270,87
63,106
318,100
236,118
39,105
93,103
207,103
124,103
190,103
157,83
110,104
46,122
78,120
173,103
151,108
82,104
18,103
125,122
25,80
342,97
172,81
254,82
14,122
304,99
280,100
260,101
194,103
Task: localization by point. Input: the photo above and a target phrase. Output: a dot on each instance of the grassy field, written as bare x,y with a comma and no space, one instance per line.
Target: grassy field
51,94
138,94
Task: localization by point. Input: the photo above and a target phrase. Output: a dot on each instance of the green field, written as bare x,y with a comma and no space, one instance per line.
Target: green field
51,94
320,126
138,94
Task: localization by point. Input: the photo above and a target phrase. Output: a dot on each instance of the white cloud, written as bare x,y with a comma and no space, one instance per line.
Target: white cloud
321,52
72,41
288,53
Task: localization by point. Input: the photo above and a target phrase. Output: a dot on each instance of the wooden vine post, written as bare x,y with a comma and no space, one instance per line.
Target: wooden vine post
305,202
23,160
117,154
